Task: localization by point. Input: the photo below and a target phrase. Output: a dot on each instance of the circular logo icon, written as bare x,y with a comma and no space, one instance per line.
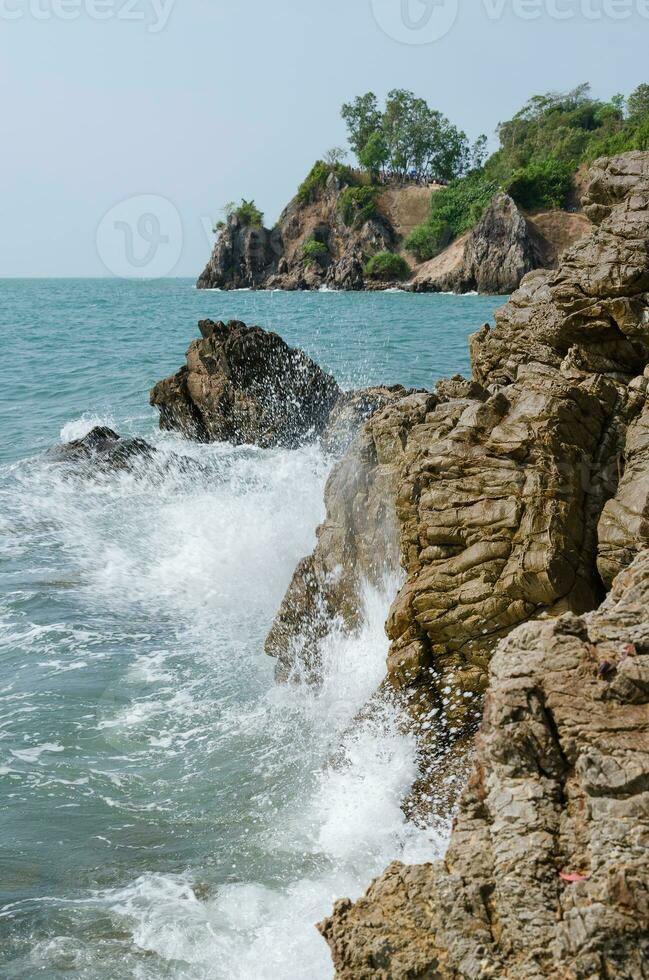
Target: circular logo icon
140,238
415,21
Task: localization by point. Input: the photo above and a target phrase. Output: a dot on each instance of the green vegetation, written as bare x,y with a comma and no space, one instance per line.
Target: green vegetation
247,212
387,266
317,177
408,138
314,251
546,185
357,205
453,210
541,149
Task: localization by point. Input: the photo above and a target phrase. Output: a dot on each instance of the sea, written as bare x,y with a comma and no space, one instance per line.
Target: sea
167,810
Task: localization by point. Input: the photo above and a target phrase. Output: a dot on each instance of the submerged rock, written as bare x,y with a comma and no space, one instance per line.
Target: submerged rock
103,448
246,385
546,873
104,451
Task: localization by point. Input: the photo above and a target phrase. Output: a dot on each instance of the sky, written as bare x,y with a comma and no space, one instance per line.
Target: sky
129,123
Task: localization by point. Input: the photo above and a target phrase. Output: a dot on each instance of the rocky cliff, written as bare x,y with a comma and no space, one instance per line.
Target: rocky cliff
515,504
492,258
519,496
546,874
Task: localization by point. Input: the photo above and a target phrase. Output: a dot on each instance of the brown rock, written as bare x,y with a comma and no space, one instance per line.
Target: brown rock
492,258
546,873
245,385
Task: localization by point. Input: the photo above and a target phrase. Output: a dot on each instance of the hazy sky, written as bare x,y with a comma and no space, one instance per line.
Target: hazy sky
197,102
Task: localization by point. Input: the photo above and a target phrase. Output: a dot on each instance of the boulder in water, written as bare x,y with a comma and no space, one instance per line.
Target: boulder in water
243,384
104,447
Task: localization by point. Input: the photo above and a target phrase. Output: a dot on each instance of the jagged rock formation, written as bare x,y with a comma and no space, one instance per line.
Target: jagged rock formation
245,385
496,485
242,257
492,258
513,491
546,874
274,259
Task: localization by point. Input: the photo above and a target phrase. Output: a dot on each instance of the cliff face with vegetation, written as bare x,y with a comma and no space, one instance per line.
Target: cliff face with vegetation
516,502
314,246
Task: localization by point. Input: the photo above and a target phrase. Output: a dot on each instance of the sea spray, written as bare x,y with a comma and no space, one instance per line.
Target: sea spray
201,817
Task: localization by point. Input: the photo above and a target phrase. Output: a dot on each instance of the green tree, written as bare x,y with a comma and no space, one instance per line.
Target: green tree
374,155
638,104
387,267
363,118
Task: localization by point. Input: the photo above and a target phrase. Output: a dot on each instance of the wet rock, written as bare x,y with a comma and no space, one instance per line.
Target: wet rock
352,409
103,448
546,872
246,385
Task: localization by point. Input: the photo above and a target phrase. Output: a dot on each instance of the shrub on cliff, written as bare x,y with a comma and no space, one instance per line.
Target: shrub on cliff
542,185
247,212
387,266
357,205
453,210
316,179
314,251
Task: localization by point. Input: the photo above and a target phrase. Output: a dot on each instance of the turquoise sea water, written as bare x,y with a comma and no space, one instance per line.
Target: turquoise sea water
167,811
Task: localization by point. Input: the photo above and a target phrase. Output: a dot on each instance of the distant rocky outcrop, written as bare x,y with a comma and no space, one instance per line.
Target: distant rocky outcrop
492,258
243,257
275,259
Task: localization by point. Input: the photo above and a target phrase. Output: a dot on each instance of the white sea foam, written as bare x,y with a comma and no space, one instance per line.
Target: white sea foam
276,796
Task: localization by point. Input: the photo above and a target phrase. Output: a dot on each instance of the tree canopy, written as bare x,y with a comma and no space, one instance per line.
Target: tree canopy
408,136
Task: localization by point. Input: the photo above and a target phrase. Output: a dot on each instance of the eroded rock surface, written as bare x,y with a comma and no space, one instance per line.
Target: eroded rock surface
246,385
496,485
546,874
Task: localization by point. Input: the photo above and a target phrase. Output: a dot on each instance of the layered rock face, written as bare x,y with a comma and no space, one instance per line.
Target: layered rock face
512,493
497,484
546,874
244,385
492,258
